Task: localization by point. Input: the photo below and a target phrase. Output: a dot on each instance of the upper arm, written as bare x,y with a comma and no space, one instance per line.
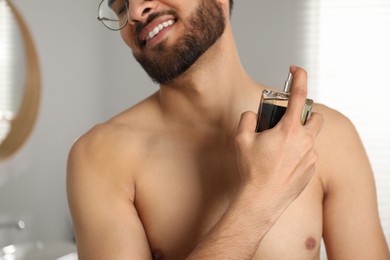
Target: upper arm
105,219
352,228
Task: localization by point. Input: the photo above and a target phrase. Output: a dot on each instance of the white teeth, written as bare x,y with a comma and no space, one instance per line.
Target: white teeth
150,35
158,28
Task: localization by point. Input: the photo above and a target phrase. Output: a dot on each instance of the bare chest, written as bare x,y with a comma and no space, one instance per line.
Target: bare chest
181,195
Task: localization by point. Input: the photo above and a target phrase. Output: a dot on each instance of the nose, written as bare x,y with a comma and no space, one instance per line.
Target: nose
139,10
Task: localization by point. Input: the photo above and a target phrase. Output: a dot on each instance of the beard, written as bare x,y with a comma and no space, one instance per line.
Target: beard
204,28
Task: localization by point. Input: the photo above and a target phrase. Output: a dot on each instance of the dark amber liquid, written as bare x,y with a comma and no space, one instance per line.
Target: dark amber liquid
269,116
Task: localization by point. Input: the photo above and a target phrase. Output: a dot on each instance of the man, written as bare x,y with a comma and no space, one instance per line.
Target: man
184,175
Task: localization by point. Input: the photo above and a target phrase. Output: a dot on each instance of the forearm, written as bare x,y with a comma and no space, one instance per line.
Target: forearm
238,233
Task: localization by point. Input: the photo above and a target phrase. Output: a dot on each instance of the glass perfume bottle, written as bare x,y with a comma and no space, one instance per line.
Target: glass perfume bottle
273,105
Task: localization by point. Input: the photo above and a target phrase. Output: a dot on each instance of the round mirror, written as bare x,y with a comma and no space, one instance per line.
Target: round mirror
19,80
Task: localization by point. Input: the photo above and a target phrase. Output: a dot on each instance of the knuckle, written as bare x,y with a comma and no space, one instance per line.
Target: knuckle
248,116
242,139
307,144
290,132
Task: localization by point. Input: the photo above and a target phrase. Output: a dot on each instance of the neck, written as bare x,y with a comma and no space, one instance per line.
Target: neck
214,92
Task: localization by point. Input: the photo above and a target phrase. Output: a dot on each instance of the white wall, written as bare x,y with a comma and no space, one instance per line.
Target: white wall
264,37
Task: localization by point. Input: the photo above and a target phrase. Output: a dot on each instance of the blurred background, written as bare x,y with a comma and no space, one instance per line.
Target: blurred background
88,75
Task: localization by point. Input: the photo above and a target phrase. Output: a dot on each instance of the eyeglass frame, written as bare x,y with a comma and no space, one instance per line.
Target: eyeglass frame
102,19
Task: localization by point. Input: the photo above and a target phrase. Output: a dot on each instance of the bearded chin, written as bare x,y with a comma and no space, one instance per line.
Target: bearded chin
165,64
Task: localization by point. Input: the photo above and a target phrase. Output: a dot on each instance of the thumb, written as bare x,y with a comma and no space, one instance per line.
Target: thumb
298,93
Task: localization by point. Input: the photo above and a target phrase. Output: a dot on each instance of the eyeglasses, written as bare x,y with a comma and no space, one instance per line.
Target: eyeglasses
113,14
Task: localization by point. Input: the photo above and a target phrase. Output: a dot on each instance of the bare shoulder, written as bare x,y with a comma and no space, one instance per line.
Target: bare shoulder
335,121
112,150
338,133
341,152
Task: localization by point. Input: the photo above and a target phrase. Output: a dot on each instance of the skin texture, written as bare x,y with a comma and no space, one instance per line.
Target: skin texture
183,175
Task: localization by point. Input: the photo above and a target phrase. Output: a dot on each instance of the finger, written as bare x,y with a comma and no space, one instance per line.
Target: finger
247,122
315,123
298,93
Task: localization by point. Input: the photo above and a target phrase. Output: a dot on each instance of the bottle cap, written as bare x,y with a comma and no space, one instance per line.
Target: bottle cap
287,84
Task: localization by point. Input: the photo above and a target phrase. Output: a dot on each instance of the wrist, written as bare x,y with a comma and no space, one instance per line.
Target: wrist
265,204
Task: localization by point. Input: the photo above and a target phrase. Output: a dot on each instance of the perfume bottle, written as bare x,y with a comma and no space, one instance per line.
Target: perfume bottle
273,105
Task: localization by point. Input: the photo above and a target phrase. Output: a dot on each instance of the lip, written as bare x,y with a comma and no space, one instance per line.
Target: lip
148,28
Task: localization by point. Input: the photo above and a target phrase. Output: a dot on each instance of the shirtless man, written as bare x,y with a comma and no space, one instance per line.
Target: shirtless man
183,174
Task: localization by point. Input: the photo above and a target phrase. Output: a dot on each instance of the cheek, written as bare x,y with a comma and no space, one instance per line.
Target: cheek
127,37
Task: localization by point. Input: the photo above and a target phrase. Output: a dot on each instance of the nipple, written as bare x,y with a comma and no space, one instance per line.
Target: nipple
157,254
310,243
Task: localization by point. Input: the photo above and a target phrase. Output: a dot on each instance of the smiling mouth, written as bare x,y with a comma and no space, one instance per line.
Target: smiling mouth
158,28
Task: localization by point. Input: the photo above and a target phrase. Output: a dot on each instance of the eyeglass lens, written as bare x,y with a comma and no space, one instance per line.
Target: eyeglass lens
113,13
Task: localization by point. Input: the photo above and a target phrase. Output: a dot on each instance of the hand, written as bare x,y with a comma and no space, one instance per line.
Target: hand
278,163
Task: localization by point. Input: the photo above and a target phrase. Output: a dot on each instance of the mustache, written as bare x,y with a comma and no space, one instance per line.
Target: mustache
140,26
